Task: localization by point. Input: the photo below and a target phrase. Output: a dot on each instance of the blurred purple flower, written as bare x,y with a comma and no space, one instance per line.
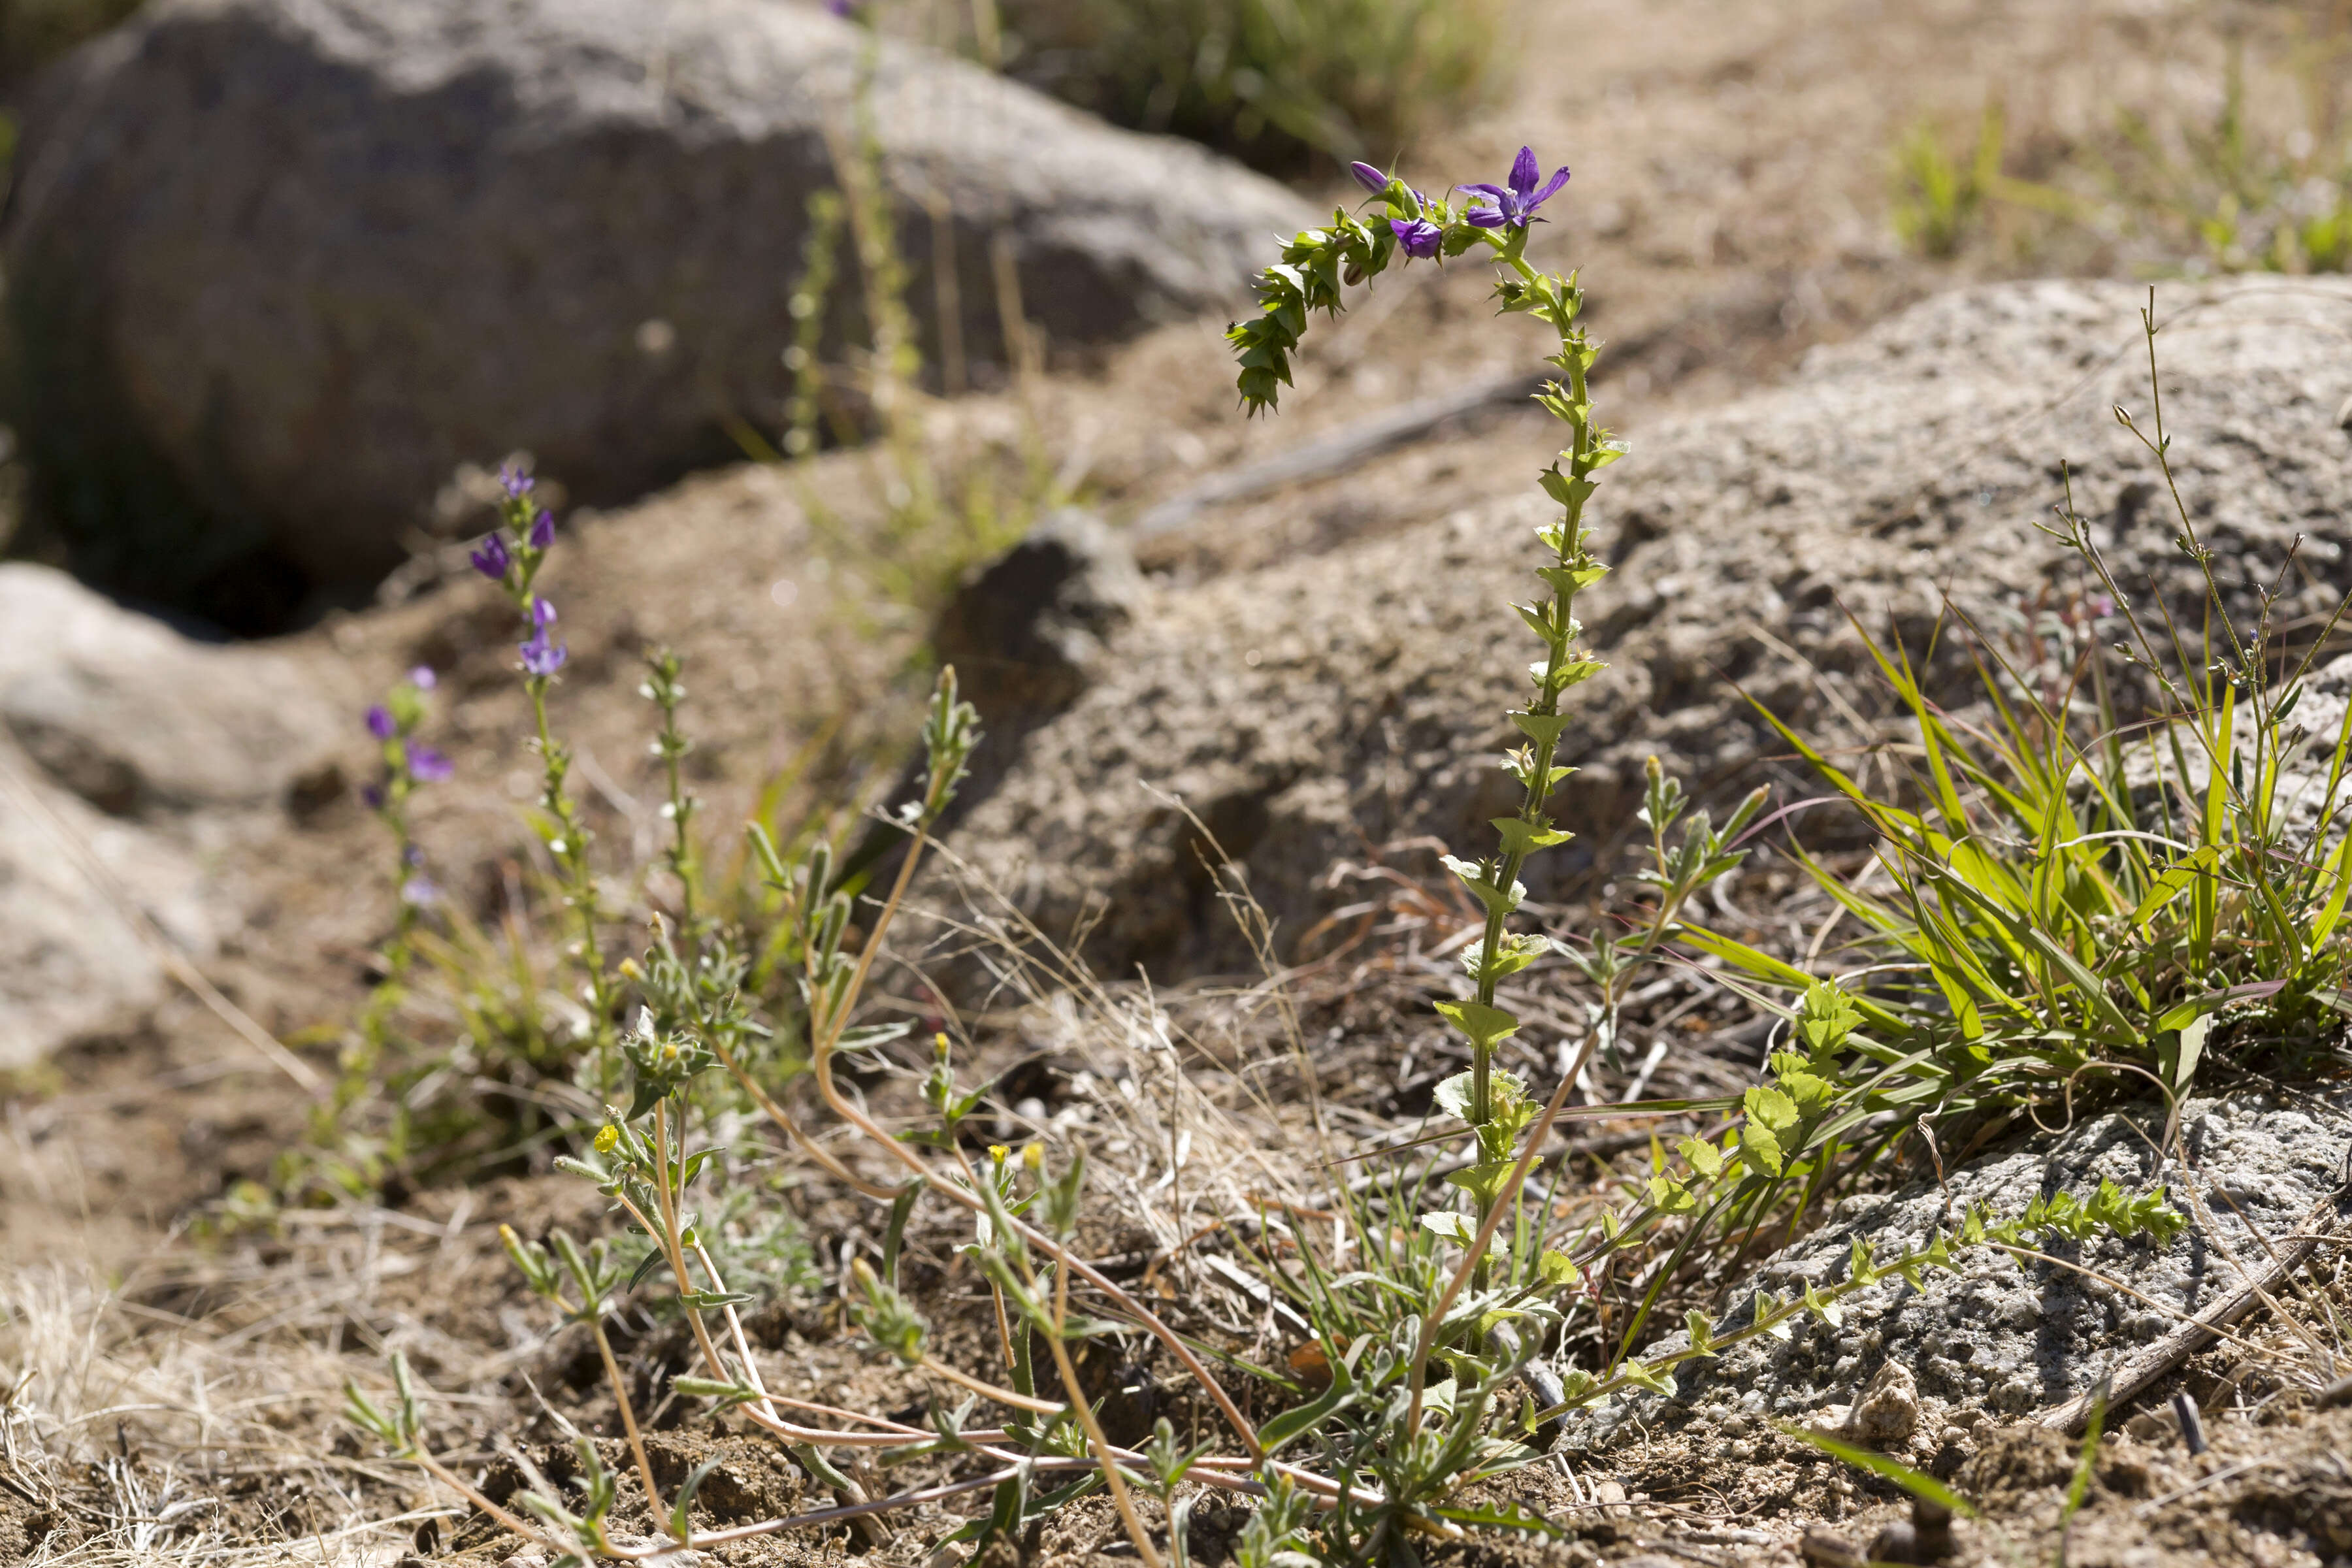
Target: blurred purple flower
373,795
1517,204
493,558
542,529
542,656
1371,179
422,678
420,890
426,765
841,7
515,482
380,722
1418,236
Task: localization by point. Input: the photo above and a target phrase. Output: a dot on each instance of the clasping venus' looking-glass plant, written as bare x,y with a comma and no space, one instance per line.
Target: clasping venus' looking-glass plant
1311,276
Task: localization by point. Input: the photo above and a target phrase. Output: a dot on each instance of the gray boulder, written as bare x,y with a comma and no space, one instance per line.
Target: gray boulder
1999,1333
133,762
277,267
138,721
1320,709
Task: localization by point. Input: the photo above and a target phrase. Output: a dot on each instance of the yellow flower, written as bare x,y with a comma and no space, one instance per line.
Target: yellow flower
608,1138
1033,1157
998,1153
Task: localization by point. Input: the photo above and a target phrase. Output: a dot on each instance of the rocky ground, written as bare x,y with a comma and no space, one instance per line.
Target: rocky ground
1308,661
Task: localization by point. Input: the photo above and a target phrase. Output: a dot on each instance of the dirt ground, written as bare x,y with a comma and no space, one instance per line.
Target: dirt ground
176,1376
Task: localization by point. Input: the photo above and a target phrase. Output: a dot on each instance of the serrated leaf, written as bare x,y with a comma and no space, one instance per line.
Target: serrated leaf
1484,1026
1557,1269
1523,838
1702,1156
1770,1107
1757,1142
1453,1227
1543,729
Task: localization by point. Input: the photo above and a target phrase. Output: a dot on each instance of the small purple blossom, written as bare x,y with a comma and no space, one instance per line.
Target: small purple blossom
381,723
427,765
542,529
493,558
542,656
420,891
422,678
1371,179
1418,236
515,481
373,795
1515,205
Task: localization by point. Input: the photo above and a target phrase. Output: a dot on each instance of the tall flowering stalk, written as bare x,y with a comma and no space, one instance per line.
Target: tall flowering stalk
511,557
1312,274
345,1161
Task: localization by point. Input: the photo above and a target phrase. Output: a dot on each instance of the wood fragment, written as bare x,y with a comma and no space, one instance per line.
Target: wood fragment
2187,1339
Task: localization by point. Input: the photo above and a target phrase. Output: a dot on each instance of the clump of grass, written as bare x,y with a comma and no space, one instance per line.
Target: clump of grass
2232,192
2089,893
1279,83
1940,192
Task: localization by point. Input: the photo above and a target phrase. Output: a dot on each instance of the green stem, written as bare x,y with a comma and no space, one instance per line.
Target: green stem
580,886
1560,614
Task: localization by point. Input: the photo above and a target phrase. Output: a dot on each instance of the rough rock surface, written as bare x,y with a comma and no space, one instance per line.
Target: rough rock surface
280,267
132,758
1317,709
1999,1335
1030,631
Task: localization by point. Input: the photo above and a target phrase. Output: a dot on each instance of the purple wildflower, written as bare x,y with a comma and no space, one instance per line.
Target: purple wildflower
381,723
1517,204
542,656
1418,236
420,891
515,482
422,678
841,7
426,765
1371,179
542,529
373,795
493,558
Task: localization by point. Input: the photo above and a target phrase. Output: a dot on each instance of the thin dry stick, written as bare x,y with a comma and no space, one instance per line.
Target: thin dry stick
2187,1339
823,1043
1085,1414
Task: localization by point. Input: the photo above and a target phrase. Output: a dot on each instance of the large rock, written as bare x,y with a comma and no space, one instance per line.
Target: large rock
137,720
278,266
1320,709
131,761
2003,1334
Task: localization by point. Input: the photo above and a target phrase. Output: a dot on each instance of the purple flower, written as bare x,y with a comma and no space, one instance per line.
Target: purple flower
542,656
493,558
1517,204
542,529
841,7
422,678
515,482
381,723
1419,237
420,891
1371,179
373,795
426,765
